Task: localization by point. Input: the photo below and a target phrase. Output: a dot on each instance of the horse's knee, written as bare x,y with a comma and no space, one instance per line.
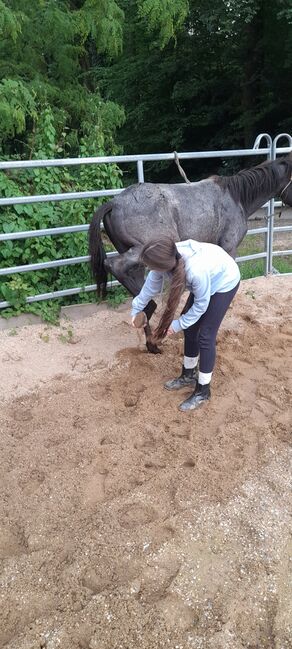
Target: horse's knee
108,264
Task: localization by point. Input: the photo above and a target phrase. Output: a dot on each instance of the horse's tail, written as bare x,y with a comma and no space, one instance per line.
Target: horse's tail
97,251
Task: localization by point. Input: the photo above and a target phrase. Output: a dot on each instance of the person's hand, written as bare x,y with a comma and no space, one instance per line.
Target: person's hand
170,331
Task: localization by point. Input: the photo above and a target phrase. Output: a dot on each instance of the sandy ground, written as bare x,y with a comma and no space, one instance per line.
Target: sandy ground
125,523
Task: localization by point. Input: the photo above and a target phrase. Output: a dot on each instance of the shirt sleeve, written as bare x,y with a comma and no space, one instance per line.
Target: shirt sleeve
151,287
201,289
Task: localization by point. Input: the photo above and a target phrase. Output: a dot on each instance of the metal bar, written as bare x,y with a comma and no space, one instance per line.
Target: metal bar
49,264
275,150
257,231
269,235
280,135
278,204
261,136
56,294
283,228
69,196
43,198
281,253
26,234
258,255
41,266
147,157
269,264
140,171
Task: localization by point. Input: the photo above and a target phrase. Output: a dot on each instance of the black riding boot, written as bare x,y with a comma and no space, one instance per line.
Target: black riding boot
201,393
187,377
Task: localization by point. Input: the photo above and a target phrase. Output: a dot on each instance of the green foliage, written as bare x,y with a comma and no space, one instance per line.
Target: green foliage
48,57
117,296
164,16
102,20
217,84
10,22
17,103
15,288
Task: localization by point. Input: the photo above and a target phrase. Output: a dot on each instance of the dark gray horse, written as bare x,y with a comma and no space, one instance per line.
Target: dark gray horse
214,210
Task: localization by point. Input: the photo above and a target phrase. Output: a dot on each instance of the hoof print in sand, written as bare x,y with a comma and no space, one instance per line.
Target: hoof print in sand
157,579
11,543
22,414
131,401
96,581
176,614
189,463
136,514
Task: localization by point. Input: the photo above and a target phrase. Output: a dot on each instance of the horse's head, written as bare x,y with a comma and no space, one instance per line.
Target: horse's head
286,184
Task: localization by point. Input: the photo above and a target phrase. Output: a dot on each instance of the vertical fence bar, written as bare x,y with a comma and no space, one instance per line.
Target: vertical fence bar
270,234
140,171
271,209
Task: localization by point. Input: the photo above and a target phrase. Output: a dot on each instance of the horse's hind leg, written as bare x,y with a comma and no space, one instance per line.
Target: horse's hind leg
130,273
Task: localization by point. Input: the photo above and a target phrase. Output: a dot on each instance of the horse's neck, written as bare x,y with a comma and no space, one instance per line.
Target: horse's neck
263,196
258,202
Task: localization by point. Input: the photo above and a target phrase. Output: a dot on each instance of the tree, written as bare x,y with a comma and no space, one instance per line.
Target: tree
214,79
48,54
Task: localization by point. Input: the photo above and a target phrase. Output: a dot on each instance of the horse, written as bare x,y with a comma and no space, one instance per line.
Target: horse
213,210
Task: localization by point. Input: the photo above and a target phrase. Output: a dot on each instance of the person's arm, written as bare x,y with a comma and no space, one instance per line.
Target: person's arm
151,287
201,289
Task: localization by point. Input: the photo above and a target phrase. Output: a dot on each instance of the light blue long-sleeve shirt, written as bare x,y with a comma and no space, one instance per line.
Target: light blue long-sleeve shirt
209,269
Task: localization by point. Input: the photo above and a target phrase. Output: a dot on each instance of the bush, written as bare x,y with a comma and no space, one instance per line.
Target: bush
17,287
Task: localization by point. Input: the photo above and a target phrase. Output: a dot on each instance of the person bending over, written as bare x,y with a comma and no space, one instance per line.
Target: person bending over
212,278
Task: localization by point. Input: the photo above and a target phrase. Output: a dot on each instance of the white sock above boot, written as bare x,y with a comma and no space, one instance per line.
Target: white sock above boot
190,362
205,378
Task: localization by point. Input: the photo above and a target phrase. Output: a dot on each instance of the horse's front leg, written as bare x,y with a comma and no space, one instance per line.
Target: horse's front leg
149,310
127,270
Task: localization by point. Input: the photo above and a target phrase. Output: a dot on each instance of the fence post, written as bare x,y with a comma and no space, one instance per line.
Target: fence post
140,171
271,208
271,202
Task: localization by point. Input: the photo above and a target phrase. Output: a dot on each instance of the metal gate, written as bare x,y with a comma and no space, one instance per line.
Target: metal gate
270,150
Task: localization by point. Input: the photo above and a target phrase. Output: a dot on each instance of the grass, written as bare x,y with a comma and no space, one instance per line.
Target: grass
253,244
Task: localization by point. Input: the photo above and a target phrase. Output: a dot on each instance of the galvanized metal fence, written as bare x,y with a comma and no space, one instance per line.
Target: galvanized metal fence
270,150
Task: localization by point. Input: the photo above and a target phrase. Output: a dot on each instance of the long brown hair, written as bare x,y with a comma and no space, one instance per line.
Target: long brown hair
162,255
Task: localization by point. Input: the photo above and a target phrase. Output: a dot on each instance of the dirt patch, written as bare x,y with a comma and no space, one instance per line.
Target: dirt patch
126,523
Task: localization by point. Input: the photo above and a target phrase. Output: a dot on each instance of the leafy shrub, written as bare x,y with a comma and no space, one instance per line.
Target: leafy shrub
16,288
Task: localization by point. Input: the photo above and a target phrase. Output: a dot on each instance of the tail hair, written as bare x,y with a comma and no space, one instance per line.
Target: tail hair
97,251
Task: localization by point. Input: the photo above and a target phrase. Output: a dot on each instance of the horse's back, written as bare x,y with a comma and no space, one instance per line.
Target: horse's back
182,210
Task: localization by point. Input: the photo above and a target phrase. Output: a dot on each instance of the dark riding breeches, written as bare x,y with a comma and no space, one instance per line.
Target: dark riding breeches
200,338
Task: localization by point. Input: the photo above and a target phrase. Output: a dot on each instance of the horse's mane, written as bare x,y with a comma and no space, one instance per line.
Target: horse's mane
248,183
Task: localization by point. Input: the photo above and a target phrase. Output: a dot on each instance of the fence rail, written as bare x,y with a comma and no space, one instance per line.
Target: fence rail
270,150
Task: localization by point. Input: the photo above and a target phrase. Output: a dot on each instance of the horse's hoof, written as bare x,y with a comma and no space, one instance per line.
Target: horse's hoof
153,349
